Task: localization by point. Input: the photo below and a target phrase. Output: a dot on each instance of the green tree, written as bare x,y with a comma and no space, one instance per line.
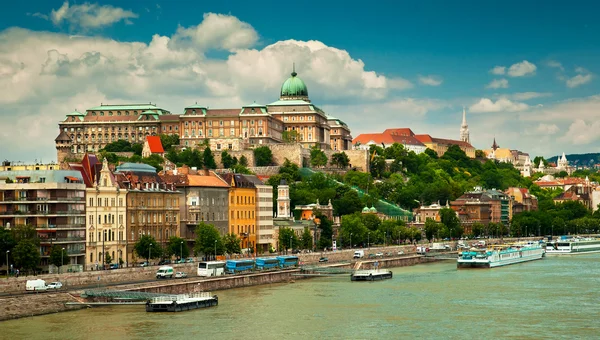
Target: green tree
288,238
477,229
243,161
340,159
137,149
227,160
108,259
317,157
207,238
177,246
263,156
154,160
326,234
432,229
7,242
291,136
307,239
58,256
168,141
147,248
232,244
208,159
120,145
352,228
26,255
451,222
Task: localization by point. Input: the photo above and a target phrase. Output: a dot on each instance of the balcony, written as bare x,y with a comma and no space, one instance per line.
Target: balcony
91,244
76,251
62,240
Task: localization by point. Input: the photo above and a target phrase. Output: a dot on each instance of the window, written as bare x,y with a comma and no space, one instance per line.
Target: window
99,201
210,123
112,202
120,202
218,146
209,132
231,132
106,202
91,219
232,123
91,202
220,123
221,132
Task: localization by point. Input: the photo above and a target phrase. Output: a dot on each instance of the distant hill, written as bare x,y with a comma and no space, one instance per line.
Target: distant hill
584,159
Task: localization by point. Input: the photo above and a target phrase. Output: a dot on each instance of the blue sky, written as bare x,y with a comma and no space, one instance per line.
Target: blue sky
408,64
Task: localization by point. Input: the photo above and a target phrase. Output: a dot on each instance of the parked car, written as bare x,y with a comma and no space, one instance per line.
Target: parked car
55,285
164,261
180,261
401,252
114,266
189,260
143,264
36,285
164,272
180,275
323,259
379,255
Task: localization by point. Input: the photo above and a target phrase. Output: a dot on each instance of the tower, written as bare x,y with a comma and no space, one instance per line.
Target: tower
464,128
563,163
283,200
63,147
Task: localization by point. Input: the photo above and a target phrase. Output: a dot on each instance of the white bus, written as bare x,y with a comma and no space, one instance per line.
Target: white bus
211,268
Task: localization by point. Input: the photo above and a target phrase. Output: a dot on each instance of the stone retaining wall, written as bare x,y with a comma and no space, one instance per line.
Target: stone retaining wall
35,304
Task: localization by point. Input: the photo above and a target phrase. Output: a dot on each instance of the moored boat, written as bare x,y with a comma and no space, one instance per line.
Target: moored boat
500,255
573,245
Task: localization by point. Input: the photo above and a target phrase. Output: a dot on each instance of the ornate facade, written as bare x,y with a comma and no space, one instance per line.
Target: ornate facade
293,118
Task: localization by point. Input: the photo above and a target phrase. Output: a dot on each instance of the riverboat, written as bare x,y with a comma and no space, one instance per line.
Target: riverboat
573,245
181,302
371,275
500,255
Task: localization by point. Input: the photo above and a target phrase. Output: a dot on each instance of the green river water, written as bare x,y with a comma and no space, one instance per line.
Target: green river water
556,297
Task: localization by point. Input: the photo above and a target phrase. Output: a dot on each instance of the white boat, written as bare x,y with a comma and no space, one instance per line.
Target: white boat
573,245
500,255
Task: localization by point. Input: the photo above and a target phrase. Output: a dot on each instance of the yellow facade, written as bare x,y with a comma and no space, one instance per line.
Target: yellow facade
242,214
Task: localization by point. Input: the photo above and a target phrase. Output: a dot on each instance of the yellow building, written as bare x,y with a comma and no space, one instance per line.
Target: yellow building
440,145
18,166
242,209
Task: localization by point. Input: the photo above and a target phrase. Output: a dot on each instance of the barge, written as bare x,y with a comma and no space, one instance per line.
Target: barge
370,275
181,303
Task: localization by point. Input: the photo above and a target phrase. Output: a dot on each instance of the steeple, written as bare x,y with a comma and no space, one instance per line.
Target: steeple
495,145
464,128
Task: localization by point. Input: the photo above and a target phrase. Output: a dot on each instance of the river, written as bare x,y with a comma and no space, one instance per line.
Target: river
557,297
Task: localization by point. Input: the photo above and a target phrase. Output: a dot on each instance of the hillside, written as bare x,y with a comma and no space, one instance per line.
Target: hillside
579,159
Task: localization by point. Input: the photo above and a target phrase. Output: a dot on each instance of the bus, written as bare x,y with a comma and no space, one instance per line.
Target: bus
237,266
288,261
211,268
267,263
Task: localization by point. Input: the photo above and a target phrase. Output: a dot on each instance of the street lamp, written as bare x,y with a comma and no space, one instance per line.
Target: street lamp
149,250
62,259
215,250
7,266
291,237
368,240
350,240
181,251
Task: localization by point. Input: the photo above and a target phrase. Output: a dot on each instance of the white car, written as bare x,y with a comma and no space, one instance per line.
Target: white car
379,255
55,285
180,275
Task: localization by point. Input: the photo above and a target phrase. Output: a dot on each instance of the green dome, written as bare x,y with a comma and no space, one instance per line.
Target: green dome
294,87
365,210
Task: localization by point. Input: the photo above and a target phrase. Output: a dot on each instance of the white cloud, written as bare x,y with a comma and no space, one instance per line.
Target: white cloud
486,105
547,129
521,69
498,70
579,80
217,31
581,132
430,80
45,75
87,16
529,95
555,64
497,84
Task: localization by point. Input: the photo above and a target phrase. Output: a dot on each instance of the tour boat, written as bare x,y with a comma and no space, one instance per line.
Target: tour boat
574,245
500,255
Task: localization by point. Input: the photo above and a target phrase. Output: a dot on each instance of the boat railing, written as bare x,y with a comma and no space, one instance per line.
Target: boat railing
181,297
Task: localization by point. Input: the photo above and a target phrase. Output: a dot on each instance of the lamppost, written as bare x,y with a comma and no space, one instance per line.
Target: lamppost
291,238
552,230
368,240
62,259
7,265
526,232
149,251
181,251
215,250
350,240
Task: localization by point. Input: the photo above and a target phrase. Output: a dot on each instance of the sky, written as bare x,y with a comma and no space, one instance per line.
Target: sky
526,73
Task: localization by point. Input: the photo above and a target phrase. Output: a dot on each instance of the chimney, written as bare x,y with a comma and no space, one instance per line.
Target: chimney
206,172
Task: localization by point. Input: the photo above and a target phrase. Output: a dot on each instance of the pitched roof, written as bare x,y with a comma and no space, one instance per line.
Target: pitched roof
206,181
63,137
155,144
428,139
390,136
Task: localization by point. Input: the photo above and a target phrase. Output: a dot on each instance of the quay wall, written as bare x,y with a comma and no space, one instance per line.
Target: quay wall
15,307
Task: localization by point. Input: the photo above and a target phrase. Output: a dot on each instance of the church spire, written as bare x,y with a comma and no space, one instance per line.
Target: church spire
464,128
495,145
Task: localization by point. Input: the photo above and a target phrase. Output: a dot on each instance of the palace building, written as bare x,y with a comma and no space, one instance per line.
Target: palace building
292,118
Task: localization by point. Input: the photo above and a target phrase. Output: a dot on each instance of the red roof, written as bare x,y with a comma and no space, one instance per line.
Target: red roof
390,136
155,144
